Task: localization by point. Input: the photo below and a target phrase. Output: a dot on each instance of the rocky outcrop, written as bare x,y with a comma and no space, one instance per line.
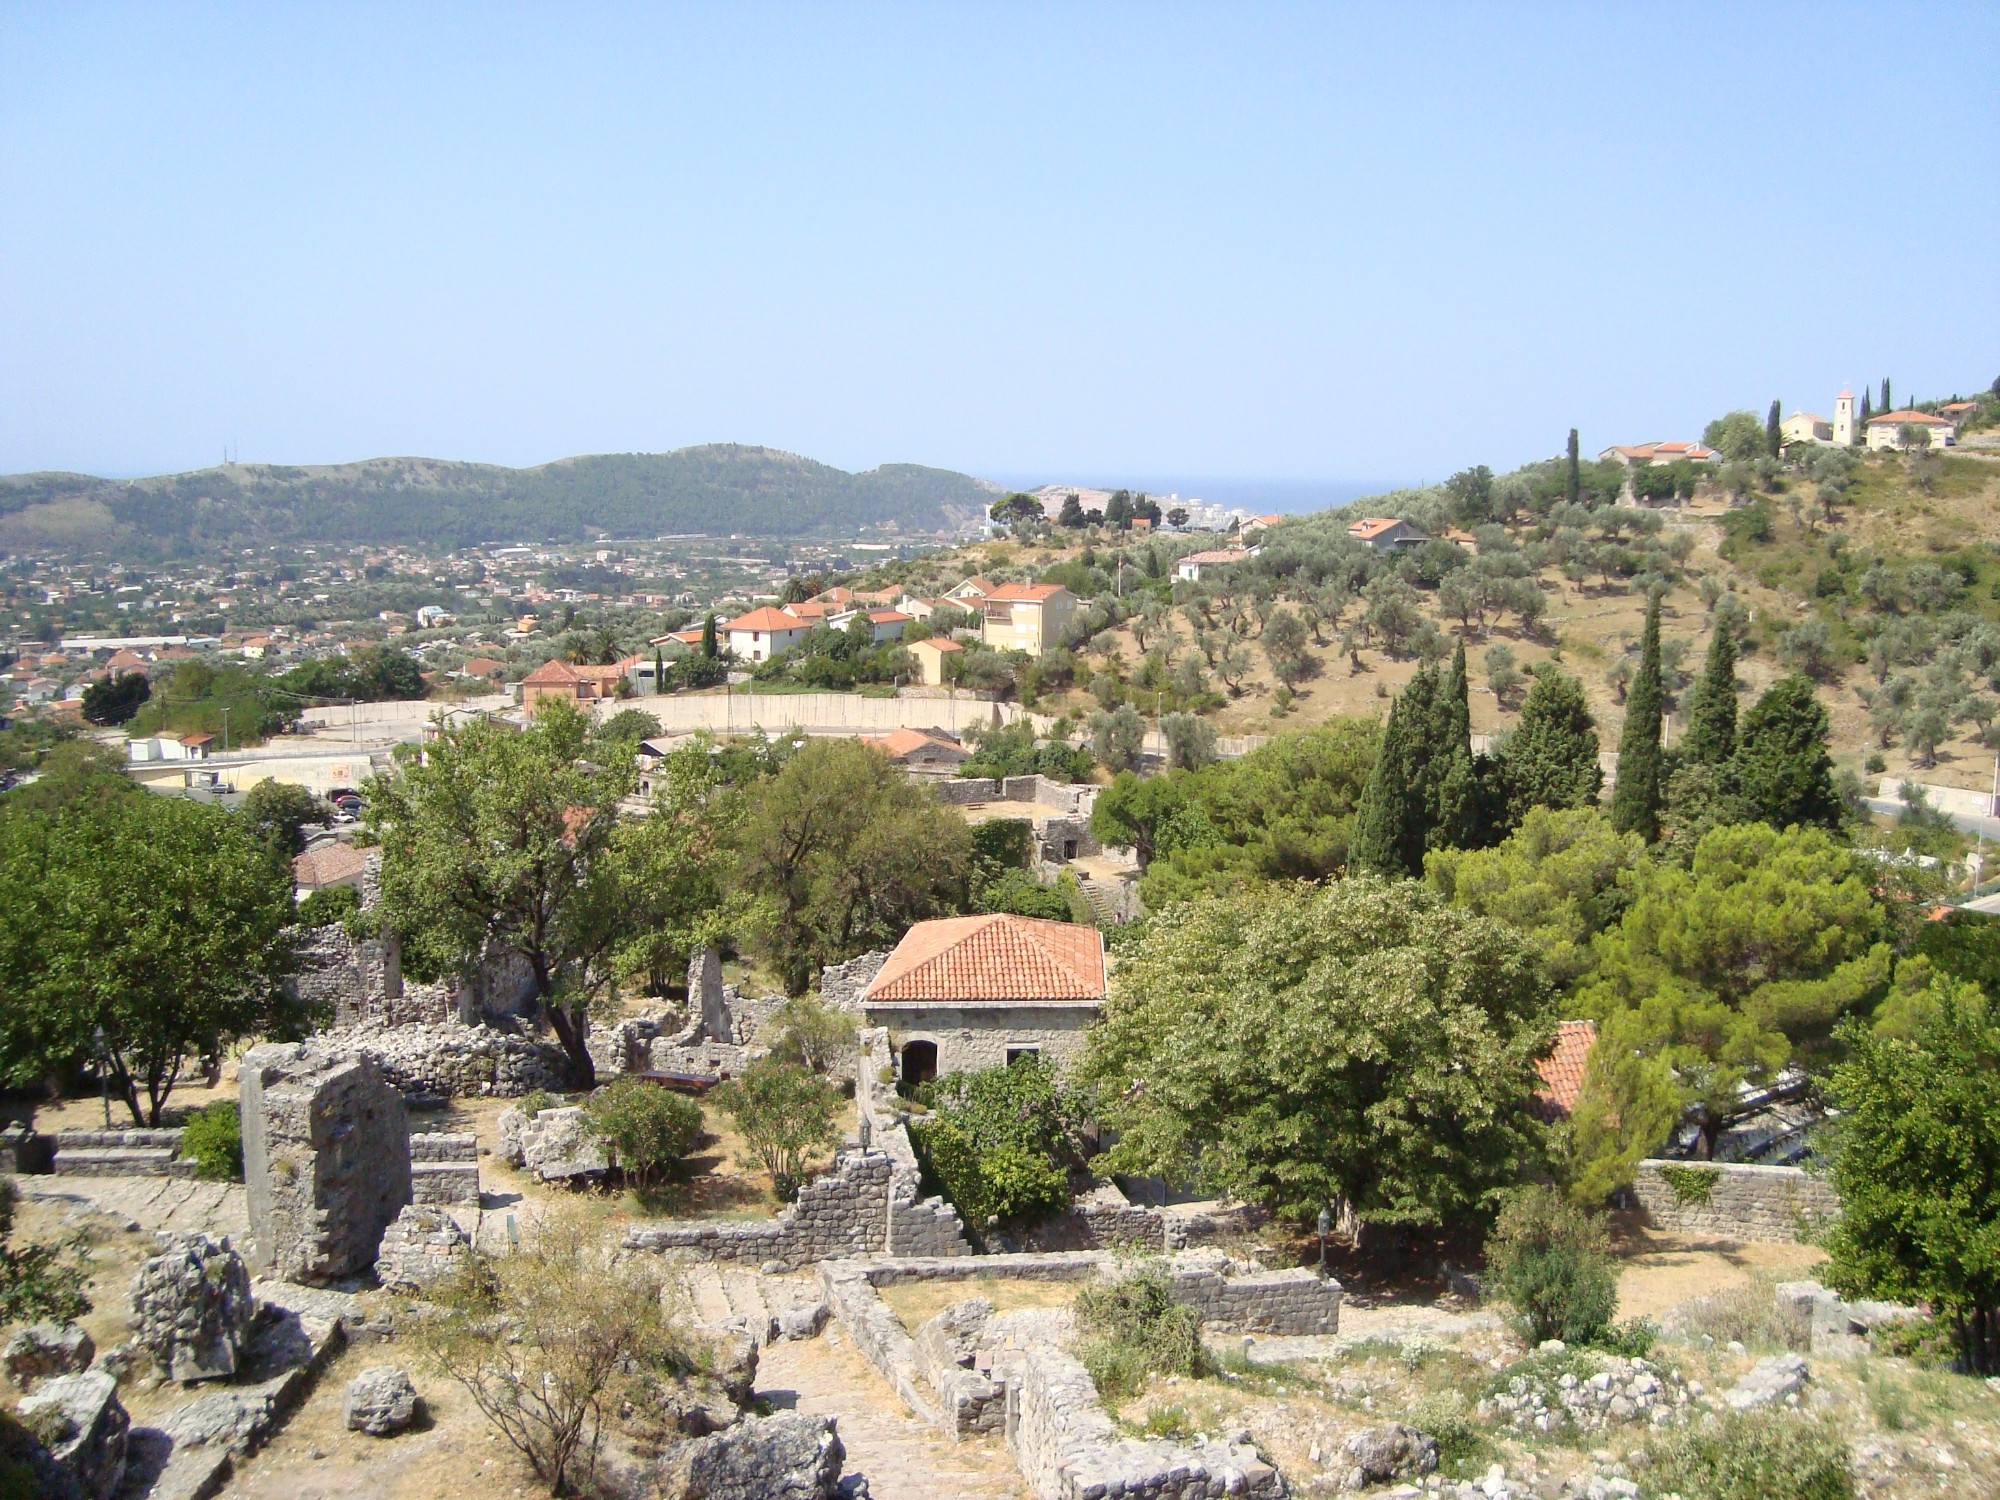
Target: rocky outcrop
1389,1452
381,1401
42,1350
789,1456
1829,1325
557,1146
1773,1379
192,1308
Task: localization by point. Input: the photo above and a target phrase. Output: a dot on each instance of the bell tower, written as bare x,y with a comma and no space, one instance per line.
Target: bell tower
1843,419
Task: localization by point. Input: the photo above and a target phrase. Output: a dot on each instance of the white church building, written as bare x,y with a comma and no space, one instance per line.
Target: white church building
1809,427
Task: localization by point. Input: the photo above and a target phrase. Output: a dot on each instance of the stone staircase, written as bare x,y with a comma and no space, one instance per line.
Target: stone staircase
119,1153
771,1307
1102,901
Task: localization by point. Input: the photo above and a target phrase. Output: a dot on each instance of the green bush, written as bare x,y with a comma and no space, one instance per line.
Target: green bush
650,1130
532,1104
1754,1456
333,905
39,1281
213,1141
813,1034
1000,1143
1129,1329
785,1115
1550,1260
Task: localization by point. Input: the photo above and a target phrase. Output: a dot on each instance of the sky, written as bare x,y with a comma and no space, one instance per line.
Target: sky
1314,245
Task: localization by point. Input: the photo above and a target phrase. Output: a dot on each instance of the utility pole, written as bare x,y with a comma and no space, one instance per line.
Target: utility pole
225,729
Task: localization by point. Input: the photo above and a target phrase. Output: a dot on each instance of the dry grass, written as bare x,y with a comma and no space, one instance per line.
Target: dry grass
1663,1271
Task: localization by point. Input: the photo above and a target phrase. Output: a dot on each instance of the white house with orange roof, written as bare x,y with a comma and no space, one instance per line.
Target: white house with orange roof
1026,616
966,993
968,594
1886,431
1387,533
931,657
1650,455
1190,568
764,633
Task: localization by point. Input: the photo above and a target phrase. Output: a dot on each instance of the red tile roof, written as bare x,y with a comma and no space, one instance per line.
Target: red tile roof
899,743
766,619
997,958
1562,1069
328,863
1921,418
552,671
888,617
1373,526
1025,593
938,643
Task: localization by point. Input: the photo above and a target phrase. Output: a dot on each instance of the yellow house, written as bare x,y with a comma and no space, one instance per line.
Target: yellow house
931,656
1026,616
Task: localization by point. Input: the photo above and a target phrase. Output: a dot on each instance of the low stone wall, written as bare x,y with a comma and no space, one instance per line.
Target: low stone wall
840,985
961,791
453,1061
843,1213
119,1153
1741,1202
917,1225
444,1168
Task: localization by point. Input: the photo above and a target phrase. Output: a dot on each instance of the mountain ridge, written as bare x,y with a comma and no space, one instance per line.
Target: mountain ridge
712,487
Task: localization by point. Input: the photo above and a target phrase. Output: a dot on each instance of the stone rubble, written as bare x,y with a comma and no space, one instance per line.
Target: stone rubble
423,1247
455,1061
85,1428
1773,1379
788,1456
1578,1398
557,1146
381,1401
41,1350
1389,1452
192,1308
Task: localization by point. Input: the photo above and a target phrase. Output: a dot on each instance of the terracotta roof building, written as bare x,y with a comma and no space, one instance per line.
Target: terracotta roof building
966,993
1562,1069
1026,616
931,655
1386,533
765,632
924,751
328,864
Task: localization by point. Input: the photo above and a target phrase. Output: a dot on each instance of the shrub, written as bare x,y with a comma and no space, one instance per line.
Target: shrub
1447,1416
213,1141
1001,1142
333,905
813,1035
39,1281
785,1115
1550,1260
650,1130
1754,1456
533,1103
1748,1315
1132,1328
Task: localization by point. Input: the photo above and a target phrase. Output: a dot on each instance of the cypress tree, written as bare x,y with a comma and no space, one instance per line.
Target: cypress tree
1867,411
709,648
1635,800
1550,760
1389,823
1452,794
1072,512
659,671
1887,405
1774,437
1572,472
1781,768
1711,709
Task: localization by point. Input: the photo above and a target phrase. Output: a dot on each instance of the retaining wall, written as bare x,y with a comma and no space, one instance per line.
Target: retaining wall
843,1213
119,1153
1742,1202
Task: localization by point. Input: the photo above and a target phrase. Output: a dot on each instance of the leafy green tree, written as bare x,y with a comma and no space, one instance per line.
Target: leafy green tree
1550,760
1555,880
1118,511
785,1116
1774,433
1360,1042
1781,768
1118,738
1916,1161
1503,674
1738,436
1019,892
1001,1143
840,852
160,921
114,699
1711,708
280,811
1552,1262
1132,811
1389,832
1452,813
650,1130
668,876
1016,509
1727,967
1071,515
1285,637
813,1034
502,841
1637,796
1190,741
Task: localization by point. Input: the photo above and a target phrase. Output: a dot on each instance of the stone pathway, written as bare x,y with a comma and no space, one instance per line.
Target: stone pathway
904,1459
153,1203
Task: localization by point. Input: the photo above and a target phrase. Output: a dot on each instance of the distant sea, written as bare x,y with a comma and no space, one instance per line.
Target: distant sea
1260,496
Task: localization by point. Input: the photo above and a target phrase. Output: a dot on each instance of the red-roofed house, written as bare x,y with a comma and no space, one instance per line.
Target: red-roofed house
972,992
328,864
765,633
1562,1069
1386,533
1646,455
1189,568
1026,616
558,679
927,752
969,593
1886,431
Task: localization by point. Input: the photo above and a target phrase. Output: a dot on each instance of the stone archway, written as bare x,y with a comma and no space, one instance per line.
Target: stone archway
920,1061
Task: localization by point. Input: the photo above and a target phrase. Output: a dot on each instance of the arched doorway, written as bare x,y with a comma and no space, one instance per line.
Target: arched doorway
919,1063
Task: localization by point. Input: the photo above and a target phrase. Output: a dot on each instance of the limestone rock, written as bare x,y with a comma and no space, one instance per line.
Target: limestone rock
790,1456
381,1402
1771,1380
192,1308
84,1425
1391,1451
422,1248
44,1349
557,1146
735,1365
513,1122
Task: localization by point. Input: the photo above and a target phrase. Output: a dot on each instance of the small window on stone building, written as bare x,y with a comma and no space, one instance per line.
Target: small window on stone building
1015,1054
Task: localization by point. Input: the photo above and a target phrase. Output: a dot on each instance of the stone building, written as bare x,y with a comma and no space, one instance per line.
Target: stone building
971,992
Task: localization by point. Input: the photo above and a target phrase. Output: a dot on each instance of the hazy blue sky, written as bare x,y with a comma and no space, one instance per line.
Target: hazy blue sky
1072,241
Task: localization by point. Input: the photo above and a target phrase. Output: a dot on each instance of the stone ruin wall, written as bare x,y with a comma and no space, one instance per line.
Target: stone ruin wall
843,1213
1744,1202
326,1160
450,1060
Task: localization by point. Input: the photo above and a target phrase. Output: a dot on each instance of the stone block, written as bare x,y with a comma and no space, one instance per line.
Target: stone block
44,1349
326,1158
557,1146
789,1456
423,1247
381,1402
85,1428
192,1308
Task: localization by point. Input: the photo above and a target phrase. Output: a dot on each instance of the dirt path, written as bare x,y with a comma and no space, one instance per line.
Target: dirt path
903,1458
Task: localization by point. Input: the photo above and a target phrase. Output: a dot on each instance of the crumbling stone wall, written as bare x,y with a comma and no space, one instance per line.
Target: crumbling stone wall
842,1213
455,1061
1742,1202
917,1225
444,1167
326,1159
840,985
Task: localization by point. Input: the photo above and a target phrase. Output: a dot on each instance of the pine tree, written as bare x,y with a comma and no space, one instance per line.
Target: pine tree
1774,436
1451,800
1781,768
708,645
1573,472
1550,760
1389,823
1071,514
1711,708
1635,800
1118,511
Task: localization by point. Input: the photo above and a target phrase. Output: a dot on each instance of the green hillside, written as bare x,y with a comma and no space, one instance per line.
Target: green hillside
716,488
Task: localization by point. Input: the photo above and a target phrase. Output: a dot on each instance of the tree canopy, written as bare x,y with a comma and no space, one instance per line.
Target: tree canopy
1360,1042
